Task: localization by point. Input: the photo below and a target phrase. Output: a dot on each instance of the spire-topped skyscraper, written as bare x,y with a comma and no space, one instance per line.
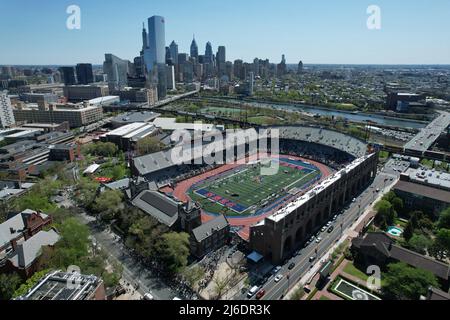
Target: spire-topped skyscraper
194,49
144,37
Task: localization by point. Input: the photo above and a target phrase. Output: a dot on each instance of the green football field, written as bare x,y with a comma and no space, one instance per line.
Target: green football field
247,189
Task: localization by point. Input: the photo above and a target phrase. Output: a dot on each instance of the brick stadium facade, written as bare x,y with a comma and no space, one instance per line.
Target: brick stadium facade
279,234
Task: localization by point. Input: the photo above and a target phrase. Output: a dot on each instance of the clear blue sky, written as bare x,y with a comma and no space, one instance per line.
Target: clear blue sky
319,31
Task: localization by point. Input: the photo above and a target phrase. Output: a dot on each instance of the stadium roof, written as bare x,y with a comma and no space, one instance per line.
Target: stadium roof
162,160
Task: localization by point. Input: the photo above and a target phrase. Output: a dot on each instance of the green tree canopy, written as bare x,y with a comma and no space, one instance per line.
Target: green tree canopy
9,282
419,243
385,213
444,219
173,250
148,145
404,282
108,204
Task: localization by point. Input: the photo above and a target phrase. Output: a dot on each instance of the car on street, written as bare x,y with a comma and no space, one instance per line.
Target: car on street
324,228
312,239
330,229
148,296
252,291
311,259
318,240
260,294
276,269
291,266
329,224
335,218
354,200
278,278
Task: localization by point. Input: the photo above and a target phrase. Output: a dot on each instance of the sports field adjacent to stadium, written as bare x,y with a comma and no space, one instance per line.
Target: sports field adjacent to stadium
243,191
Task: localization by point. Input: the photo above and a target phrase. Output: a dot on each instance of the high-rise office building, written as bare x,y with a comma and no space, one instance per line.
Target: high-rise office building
144,38
300,67
117,72
170,72
239,69
84,73
162,80
209,55
156,52
169,60
6,111
256,66
221,60
281,67
194,49
68,75
174,52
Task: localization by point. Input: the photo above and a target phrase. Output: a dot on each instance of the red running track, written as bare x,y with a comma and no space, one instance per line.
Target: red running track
181,192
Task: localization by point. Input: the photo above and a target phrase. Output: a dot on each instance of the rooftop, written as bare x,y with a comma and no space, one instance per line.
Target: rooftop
60,285
206,229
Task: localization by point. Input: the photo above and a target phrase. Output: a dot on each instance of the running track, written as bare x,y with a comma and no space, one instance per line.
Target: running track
181,190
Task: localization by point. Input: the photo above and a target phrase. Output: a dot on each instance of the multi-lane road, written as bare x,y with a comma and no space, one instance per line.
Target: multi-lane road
387,177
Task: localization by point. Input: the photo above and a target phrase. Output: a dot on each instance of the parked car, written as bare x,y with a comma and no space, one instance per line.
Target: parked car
260,294
252,291
311,259
335,218
330,229
329,223
291,266
276,269
324,228
318,240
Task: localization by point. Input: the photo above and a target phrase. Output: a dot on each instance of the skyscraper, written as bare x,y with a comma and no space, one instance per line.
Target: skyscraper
169,60
300,67
84,73
221,59
144,38
174,52
156,52
194,49
68,75
209,53
6,111
117,71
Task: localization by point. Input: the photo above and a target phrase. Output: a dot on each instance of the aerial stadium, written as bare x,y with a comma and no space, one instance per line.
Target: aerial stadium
314,164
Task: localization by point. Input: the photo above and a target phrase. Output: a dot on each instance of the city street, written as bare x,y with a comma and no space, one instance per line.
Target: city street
349,216
134,272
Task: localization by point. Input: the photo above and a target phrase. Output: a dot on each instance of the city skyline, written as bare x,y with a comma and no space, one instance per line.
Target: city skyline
330,34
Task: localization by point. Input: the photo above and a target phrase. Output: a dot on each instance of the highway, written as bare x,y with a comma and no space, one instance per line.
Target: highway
274,291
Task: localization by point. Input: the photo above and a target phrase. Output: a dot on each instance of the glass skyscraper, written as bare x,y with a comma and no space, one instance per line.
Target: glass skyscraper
156,52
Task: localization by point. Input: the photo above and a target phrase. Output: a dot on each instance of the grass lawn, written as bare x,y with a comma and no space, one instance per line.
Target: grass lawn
247,188
324,298
352,270
261,120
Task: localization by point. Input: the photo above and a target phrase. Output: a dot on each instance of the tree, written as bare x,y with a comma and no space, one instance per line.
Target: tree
444,219
385,212
442,241
193,275
173,250
71,249
108,204
419,243
87,192
219,286
403,282
9,282
409,231
148,145
397,204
